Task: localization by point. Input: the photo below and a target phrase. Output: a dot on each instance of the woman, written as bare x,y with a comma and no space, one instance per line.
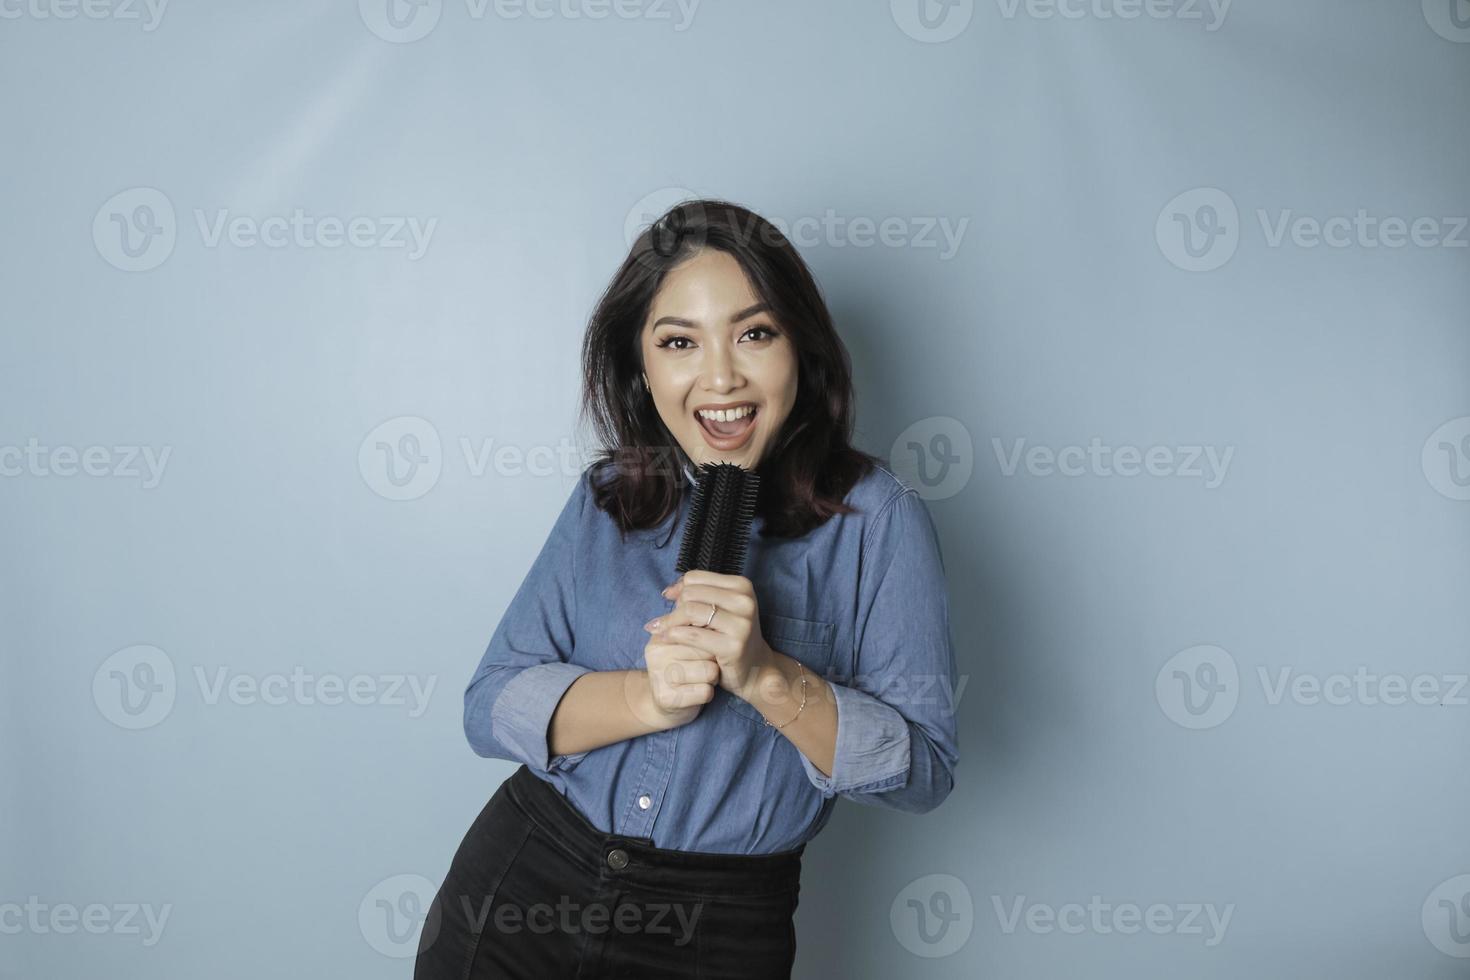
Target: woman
678,748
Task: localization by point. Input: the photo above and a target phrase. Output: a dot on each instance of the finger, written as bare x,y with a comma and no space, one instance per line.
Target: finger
664,652
683,673
724,598
733,583
695,604
689,695
682,614
710,642
683,652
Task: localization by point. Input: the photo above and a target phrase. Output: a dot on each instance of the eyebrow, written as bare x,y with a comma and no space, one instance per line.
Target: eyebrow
678,321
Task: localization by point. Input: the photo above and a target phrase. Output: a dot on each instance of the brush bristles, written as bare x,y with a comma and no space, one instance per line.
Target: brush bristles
717,531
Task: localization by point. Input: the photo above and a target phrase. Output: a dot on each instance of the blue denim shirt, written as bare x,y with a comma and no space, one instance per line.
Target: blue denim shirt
860,600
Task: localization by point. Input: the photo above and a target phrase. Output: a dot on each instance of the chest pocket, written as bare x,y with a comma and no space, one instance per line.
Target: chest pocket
806,640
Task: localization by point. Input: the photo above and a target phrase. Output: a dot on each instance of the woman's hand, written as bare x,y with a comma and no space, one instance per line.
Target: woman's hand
733,638
680,682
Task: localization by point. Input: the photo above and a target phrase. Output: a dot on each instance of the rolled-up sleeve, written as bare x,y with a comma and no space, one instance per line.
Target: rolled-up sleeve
897,738
527,666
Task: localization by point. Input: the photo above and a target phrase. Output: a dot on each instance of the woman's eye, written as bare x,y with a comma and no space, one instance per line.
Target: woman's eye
678,339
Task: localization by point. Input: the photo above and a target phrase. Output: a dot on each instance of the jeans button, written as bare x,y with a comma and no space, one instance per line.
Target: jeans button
645,801
617,859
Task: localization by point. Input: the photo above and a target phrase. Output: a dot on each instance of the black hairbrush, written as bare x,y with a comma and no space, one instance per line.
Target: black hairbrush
717,530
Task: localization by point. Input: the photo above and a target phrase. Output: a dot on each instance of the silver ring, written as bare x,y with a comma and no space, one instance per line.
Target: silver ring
712,610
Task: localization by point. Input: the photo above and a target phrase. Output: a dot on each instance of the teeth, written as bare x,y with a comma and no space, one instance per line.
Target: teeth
727,415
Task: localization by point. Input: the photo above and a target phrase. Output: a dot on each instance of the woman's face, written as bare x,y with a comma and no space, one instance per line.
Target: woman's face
710,343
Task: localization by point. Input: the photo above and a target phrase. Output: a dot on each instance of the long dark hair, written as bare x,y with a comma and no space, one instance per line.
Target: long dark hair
809,468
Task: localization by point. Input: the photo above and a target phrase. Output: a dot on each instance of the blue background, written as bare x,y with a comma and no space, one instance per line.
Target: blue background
331,501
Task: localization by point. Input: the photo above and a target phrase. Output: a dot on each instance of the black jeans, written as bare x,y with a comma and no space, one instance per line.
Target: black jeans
535,891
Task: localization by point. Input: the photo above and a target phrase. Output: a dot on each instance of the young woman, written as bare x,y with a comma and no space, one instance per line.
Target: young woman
681,738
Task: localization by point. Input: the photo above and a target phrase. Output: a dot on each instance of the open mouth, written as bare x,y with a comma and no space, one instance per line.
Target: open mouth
728,434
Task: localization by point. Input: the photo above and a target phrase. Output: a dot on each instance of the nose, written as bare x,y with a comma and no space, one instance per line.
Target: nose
720,370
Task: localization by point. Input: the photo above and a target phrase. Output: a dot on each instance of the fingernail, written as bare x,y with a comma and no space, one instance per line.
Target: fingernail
666,591
651,625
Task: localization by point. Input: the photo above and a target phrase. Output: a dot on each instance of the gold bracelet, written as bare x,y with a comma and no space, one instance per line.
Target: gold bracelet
802,674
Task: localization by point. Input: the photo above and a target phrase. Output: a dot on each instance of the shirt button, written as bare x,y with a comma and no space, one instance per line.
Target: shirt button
617,859
644,802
